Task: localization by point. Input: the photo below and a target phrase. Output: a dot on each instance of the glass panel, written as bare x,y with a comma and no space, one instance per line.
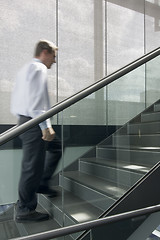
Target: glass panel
109,165
98,165
124,32
145,227
10,164
152,81
152,24
126,97
95,168
77,51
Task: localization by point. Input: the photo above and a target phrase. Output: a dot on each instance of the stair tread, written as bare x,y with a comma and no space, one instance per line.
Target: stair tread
150,116
77,208
151,112
37,227
141,141
8,230
140,168
130,148
144,123
143,128
137,135
11,228
104,186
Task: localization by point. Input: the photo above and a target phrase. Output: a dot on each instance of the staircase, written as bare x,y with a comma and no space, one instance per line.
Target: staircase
100,177
94,182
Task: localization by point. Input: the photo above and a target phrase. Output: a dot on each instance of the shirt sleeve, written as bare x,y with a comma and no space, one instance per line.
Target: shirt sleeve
38,95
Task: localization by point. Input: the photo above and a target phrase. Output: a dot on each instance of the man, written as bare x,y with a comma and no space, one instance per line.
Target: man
41,147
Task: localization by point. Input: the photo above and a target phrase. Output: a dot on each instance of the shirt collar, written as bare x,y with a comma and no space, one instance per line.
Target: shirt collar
36,60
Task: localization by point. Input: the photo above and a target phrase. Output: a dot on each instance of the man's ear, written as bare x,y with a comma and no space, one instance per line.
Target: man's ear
43,55
45,51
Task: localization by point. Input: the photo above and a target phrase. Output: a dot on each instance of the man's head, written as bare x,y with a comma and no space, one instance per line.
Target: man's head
46,52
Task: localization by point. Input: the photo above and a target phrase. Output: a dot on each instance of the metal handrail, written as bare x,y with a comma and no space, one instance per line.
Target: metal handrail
79,96
90,224
8,130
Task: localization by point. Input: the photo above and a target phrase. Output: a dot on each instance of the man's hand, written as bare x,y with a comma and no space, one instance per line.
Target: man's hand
48,134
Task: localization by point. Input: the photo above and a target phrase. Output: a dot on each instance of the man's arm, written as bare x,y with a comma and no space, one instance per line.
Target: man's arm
38,97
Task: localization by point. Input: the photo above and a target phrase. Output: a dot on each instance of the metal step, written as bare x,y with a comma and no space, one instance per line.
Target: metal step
98,192
115,164
143,128
114,171
157,107
137,140
72,207
135,156
150,117
37,227
8,230
69,209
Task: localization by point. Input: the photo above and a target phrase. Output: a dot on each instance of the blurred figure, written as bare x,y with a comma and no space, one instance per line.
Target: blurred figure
41,146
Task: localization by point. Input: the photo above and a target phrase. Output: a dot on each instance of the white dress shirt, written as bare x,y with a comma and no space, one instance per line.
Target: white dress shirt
30,95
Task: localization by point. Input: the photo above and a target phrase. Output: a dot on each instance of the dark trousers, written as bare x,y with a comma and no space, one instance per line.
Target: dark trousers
40,159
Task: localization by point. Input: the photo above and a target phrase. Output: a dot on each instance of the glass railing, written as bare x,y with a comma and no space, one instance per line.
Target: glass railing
103,153
141,224
101,176
143,227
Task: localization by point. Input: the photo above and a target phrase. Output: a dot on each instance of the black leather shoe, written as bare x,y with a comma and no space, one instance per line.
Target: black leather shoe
33,216
48,191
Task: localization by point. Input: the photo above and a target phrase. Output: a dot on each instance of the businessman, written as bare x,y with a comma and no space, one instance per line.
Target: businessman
41,146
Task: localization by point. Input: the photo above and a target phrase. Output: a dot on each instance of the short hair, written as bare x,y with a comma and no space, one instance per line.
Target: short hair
45,44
